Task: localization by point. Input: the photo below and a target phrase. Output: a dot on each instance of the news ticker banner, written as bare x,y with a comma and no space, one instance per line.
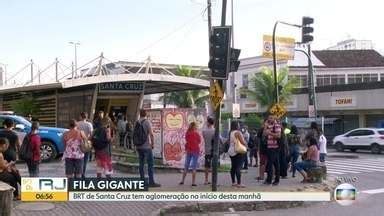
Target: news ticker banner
134,189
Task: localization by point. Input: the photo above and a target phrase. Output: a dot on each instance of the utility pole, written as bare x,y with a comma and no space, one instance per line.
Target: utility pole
57,69
75,44
215,159
233,80
31,71
311,82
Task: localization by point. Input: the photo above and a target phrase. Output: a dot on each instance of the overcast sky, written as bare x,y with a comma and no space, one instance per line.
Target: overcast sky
171,31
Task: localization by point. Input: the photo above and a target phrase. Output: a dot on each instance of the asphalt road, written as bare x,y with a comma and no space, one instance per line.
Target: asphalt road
368,176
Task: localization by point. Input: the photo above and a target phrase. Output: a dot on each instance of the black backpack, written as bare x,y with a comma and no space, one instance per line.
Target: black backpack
99,139
140,135
25,152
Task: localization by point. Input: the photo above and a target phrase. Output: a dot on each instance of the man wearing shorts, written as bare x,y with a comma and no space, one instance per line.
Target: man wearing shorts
208,136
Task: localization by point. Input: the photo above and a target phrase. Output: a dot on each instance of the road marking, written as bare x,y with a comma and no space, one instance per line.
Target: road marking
374,191
338,166
335,172
357,165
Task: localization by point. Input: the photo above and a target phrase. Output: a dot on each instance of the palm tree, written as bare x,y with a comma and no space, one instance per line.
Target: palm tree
262,88
189,98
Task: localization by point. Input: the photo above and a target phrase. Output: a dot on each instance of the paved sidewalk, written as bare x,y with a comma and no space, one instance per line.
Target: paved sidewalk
169,183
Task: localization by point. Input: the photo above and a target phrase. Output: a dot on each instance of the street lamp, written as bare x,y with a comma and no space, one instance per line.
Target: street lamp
274,56
5,74
75,44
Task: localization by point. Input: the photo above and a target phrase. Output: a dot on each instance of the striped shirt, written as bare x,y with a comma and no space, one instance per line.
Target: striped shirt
272,143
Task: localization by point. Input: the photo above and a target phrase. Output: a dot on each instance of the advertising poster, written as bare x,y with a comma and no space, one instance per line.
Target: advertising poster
175,125
154,117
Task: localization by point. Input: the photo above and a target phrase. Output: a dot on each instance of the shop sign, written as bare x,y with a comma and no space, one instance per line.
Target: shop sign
344,101
121,87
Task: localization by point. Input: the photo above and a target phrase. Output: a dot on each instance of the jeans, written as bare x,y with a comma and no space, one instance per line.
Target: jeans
148,155
294,152
121,139
273,161
87,155
191,157
322,157
245,160
33,168
305,165
236,164
253,154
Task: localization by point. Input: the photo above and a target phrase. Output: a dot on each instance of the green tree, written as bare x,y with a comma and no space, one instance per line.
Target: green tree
262,88
189,98
24,106
253,121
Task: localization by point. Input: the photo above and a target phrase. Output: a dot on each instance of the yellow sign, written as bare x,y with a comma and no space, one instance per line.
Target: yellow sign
216,95
278,110
285,47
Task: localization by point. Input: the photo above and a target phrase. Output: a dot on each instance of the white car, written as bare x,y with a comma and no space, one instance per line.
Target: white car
361,138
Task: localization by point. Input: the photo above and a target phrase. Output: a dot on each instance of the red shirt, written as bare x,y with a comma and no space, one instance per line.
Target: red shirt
35,144
193,142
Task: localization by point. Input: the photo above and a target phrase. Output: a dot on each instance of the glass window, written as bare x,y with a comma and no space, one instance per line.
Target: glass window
358,78
351,78
374,77
354,133
366,77
381,132
366,133
319,80
245,80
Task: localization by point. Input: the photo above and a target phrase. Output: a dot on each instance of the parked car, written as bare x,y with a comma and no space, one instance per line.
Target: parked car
361,138
51,138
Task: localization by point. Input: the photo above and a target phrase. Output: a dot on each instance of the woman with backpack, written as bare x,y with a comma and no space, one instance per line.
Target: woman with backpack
101,142
33,139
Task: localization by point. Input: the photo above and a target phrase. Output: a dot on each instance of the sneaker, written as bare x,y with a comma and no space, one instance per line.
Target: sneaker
267,183
154,185
284,177
275,183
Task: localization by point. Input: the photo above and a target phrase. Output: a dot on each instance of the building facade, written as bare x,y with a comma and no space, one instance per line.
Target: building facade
349,87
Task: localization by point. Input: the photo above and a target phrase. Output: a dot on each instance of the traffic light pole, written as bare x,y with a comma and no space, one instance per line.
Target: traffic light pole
215,159
311,86
311,83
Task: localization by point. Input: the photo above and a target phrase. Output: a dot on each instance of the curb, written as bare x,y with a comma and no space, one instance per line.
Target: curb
224,207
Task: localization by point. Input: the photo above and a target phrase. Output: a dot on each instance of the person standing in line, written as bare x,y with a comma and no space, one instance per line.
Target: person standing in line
294,143
208,135
121,129
129,133
323,146
262,152
246,138
283,153
253,145
272,131
143,139
86,127
73,156
237,159
192,149
101,142
14,144
34,141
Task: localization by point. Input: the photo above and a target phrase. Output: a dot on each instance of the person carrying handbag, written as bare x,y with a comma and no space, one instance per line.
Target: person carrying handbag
237,150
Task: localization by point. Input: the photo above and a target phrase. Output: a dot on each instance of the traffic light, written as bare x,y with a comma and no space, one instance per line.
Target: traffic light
235,63
220,52
306,30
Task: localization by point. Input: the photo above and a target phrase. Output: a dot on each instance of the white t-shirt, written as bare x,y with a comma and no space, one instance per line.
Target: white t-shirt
323,144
